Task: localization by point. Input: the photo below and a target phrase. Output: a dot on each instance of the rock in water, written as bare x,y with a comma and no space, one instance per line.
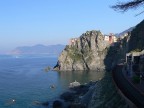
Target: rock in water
45,103
84,53
57,104
74,84
10,102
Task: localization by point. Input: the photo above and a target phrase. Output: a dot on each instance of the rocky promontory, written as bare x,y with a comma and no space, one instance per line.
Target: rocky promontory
84,53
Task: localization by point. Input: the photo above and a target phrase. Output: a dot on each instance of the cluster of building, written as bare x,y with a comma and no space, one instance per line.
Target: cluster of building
73,41
108,38
135,64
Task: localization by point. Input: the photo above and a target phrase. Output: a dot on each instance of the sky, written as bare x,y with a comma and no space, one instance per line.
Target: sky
49,22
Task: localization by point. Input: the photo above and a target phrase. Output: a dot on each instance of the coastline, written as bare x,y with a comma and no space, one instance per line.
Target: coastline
101,93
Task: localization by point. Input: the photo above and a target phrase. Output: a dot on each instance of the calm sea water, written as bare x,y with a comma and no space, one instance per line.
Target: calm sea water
24,79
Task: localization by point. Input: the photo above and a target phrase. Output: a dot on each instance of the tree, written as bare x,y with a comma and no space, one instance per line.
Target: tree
124,6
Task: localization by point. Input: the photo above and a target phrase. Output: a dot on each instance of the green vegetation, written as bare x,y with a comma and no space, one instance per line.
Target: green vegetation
109,95
86,51
130,4
124,42
89,59
136,39
112,51
74,53
136,79
136,50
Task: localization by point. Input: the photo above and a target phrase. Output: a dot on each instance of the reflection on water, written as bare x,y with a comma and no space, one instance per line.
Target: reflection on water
80,76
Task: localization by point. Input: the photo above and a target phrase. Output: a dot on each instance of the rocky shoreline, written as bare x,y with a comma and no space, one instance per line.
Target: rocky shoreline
74,97
78,97
94,94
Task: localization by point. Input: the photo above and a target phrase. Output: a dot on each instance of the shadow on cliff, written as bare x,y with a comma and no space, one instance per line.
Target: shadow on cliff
113,56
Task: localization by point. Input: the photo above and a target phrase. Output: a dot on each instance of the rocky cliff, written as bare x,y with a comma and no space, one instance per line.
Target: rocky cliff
132,42
136,41
91,52
84,53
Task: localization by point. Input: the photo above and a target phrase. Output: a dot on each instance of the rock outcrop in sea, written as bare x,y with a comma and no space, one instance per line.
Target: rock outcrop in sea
91,52
84,53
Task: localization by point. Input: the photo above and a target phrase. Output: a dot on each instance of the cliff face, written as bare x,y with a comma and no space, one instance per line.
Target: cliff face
106,96
85,53
133,42
136,41
91,52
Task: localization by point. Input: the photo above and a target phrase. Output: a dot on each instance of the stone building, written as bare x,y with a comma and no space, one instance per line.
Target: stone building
135,63
106,38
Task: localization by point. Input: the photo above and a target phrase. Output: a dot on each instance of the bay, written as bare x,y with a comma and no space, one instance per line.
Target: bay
24,79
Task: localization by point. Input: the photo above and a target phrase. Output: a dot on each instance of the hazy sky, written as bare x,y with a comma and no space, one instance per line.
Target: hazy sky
30,22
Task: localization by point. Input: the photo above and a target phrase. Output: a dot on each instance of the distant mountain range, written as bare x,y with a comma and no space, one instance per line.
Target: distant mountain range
122,33
49,49
39,49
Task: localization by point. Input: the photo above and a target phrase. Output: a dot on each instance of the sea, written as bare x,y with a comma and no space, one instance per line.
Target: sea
25,81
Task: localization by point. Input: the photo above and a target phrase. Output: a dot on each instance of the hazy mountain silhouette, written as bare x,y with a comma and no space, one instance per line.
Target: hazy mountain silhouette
39,49
125,31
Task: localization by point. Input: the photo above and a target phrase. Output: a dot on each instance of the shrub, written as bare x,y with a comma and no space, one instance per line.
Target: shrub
136,79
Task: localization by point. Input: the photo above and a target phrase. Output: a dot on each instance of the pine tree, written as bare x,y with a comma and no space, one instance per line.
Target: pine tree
132,4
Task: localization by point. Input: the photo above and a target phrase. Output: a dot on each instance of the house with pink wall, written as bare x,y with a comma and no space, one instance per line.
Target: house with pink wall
110,38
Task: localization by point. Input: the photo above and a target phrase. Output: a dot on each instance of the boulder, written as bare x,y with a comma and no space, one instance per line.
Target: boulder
77,105
68,96
45,104
57,104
